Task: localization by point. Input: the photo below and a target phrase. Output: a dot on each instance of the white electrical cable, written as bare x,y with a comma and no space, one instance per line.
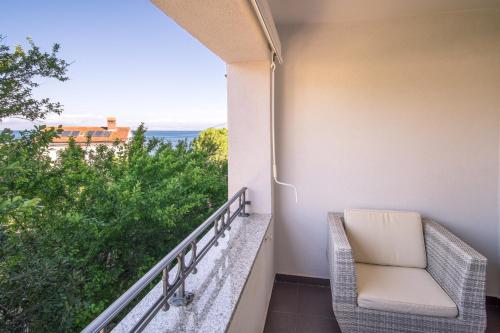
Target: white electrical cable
265,29
275,168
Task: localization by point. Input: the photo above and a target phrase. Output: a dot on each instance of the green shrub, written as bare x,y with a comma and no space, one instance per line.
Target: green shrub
75,233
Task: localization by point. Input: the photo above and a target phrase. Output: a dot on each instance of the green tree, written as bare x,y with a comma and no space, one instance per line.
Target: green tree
77,232
213,141
19,71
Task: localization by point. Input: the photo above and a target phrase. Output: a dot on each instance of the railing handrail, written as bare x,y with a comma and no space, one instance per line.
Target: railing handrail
106,317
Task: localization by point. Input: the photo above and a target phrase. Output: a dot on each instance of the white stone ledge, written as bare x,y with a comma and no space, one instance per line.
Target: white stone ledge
217,286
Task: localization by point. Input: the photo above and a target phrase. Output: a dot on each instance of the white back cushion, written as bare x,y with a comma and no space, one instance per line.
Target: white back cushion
386,237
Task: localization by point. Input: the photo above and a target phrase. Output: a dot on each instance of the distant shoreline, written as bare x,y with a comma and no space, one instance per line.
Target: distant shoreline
170,136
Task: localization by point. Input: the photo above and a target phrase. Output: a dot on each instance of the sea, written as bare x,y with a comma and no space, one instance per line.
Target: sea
173,136
168,136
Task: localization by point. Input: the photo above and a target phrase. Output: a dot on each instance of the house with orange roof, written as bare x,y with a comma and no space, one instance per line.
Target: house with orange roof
90,136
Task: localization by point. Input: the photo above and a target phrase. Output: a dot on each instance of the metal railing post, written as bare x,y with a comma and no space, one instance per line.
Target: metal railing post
181,297
166,306
180,293
243,204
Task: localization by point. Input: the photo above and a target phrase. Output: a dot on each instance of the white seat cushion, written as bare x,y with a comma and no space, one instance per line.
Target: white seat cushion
403,290
386,237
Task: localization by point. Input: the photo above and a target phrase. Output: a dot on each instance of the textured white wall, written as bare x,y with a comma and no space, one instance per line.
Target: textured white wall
249,126
391,114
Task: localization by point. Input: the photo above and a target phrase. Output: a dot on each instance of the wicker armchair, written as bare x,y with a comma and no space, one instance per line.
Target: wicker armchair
458,269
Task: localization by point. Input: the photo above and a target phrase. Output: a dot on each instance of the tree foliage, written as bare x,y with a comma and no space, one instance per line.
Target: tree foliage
20,71
77,232
213,141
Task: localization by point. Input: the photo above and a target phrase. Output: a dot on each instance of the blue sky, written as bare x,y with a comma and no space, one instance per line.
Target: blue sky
129,60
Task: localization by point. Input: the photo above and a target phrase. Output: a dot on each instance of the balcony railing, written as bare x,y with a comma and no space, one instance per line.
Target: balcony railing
174,290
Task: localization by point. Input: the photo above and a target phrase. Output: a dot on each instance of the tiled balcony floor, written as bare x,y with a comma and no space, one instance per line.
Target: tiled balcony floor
299,307
306,307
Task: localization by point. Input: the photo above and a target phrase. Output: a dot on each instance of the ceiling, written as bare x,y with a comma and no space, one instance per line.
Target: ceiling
325,11
228,28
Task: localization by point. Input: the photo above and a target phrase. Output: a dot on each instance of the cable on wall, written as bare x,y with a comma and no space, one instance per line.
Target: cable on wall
273,135
262,11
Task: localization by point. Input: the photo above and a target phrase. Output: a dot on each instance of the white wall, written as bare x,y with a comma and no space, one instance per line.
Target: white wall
55,148
396,114
251,311
249,126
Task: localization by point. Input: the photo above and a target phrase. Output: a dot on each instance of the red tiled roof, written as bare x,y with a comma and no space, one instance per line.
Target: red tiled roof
97,134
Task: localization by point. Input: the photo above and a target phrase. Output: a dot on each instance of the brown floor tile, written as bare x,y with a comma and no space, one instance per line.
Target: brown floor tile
315,300
493,324
284,298
315,324
278,322
296,307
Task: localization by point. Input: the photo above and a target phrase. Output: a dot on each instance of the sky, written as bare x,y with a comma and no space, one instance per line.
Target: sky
128,60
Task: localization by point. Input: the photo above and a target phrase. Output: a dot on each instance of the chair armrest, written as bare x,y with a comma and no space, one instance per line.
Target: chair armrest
458,268
341,262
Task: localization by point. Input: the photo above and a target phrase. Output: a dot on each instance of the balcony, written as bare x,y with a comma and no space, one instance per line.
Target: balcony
224,265
334,105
